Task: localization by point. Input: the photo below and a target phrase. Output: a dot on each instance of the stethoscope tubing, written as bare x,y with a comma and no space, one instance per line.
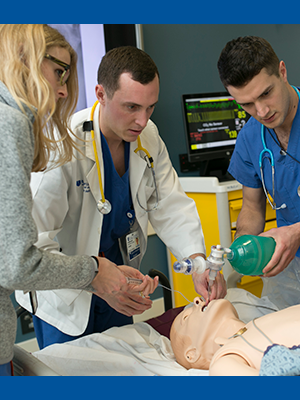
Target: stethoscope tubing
267,151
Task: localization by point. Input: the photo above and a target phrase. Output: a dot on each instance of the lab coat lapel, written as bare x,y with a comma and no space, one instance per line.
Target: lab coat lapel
136,171
93,181
89,152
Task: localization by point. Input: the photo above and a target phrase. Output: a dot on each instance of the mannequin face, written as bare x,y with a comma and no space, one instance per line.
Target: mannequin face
194,330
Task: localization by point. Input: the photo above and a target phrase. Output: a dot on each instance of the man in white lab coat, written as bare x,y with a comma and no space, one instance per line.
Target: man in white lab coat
66,201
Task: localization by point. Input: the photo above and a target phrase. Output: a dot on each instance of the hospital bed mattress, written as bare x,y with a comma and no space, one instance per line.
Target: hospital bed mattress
131,350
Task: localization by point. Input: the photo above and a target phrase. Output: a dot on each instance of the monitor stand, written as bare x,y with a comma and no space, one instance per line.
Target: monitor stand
216,167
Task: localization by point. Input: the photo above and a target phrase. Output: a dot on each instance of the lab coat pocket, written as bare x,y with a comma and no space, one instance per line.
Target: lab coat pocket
148,192
144,197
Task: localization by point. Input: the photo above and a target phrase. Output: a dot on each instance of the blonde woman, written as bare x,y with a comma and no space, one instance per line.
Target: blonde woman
38,93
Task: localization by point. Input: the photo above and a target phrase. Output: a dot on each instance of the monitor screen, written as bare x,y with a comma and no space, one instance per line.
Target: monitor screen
212,123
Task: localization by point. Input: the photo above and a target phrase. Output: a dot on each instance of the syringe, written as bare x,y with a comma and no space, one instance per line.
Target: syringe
134,281
213,270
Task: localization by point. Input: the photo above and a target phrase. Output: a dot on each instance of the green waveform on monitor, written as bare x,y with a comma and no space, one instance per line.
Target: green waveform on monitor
212,105
210,116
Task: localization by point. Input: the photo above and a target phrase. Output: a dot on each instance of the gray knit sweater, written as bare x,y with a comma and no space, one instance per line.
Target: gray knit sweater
22,265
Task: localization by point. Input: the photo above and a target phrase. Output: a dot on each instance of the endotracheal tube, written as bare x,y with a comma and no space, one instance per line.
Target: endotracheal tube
215,262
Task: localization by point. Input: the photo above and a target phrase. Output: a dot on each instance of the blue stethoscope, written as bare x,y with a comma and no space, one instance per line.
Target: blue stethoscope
266,153
103,205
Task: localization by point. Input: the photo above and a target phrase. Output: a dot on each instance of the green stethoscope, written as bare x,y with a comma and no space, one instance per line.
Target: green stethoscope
268,154
103,205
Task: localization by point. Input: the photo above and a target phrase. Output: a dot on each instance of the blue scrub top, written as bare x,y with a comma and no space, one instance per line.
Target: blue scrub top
117,190
244,167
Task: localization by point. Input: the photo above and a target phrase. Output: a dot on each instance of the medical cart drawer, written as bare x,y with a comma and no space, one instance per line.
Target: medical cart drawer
268,225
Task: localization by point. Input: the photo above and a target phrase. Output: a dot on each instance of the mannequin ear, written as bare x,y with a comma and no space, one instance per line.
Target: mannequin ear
191,355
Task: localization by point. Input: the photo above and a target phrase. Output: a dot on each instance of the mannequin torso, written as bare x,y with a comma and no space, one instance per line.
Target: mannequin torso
242,346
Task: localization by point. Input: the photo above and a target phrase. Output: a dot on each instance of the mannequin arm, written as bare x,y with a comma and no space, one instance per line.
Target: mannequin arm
232,365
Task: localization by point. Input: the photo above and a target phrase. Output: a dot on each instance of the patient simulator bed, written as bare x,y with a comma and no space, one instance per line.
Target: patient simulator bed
131,350
26,364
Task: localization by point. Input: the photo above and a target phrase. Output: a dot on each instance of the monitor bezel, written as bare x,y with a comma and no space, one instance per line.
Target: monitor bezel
205,154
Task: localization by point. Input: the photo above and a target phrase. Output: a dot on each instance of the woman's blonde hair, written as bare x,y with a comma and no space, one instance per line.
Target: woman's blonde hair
22,49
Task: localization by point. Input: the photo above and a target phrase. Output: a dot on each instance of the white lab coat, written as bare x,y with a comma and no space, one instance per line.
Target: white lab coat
68,221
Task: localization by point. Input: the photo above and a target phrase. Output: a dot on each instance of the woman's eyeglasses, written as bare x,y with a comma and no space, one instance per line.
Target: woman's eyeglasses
63,75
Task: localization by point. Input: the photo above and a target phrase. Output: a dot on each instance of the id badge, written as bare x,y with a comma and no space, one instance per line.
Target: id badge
133,245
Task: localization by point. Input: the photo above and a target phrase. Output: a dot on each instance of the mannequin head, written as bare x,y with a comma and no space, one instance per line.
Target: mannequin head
194,331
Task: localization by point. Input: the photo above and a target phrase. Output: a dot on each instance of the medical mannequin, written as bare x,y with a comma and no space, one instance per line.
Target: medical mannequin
215,338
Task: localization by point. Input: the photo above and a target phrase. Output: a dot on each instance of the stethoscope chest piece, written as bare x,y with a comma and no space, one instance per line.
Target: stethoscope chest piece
104,207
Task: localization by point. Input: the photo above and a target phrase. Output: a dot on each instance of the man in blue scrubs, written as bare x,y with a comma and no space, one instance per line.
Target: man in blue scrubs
252,73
